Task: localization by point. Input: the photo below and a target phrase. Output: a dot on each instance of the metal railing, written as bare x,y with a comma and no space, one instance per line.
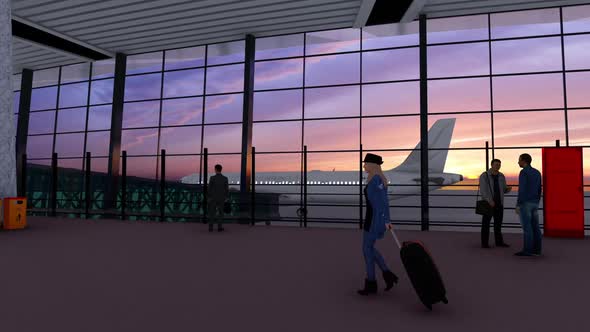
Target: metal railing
77,193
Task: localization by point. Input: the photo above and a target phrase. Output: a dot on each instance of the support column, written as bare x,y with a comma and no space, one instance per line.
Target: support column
26,89
116,128
7,128
247,115
246,169
424,126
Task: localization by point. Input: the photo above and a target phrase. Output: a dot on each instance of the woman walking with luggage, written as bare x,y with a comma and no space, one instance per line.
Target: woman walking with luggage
376,223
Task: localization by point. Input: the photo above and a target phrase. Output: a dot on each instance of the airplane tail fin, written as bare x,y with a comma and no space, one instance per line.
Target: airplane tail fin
439,137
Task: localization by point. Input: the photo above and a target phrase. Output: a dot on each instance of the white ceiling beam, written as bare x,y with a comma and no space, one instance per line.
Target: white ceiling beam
60,35
363,14
413,11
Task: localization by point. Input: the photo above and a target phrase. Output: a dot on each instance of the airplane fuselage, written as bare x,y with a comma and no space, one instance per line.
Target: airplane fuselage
340,186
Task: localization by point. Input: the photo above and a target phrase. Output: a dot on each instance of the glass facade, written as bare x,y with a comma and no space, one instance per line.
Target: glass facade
70,115
179,100
515,80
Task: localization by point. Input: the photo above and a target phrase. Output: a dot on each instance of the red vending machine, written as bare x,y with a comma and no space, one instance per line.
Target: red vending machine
563,192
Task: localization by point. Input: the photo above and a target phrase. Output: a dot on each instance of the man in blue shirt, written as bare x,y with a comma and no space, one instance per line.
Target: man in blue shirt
527,206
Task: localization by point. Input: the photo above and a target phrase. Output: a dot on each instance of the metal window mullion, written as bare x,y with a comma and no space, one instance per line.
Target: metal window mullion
158,156
87,115
424,125
360,186
247,114
302,156
203,115
23,125
116,130
84,160
564,78
56,111
491,83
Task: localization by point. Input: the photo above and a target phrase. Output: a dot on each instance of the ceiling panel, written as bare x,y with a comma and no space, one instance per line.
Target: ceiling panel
135,26
242,29
180,21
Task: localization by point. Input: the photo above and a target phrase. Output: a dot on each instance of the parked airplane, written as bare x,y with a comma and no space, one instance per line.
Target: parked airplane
343,186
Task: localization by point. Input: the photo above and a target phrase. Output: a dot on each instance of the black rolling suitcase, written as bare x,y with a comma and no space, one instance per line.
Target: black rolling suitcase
422,272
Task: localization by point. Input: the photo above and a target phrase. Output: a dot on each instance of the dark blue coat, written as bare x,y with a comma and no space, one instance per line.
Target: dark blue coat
529,186
377,194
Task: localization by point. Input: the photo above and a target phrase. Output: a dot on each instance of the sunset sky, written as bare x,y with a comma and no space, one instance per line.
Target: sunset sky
399,101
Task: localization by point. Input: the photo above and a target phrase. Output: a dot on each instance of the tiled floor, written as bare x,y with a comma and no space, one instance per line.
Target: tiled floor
75,275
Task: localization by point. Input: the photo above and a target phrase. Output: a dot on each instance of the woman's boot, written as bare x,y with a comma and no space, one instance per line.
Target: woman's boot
370,287
390,279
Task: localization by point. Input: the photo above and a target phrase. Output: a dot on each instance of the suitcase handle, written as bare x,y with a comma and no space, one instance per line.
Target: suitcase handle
395,238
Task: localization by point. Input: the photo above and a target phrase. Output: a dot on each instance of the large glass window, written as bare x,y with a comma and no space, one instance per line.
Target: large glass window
332,41
70,115
332,102
459,95
518,107
181,100
332,69
527,55
525,23
391,98
391,65
390,35
457,29
517,129
528,92
185,58
325,100
458,60
279,47
495,78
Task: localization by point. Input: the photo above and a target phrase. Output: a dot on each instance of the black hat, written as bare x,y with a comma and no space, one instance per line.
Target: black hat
373,158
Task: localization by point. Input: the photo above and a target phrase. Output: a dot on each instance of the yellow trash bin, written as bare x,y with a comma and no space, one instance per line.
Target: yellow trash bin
15,212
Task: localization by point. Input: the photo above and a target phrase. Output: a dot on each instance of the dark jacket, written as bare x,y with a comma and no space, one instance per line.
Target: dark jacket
377,194
529,186
218,188
486,186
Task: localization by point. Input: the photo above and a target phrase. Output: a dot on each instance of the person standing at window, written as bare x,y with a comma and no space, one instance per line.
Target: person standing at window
527,206
218,194
492,184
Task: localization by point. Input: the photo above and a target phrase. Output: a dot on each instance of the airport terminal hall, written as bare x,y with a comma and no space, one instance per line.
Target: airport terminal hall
294,165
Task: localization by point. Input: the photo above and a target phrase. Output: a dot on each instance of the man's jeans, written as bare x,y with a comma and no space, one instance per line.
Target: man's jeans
529,219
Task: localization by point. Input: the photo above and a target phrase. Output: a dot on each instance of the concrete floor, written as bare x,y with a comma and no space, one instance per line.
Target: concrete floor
76,275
